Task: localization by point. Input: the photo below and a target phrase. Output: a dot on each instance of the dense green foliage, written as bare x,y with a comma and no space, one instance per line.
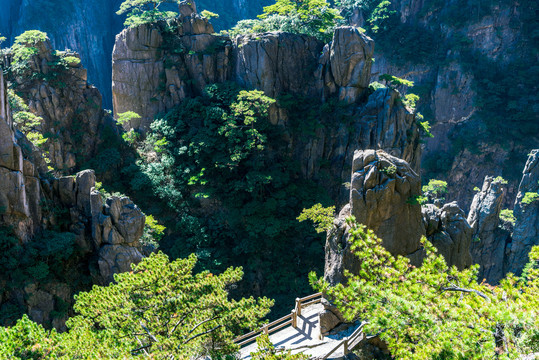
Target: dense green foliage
42,260
24,48
436,311
321,216
310,17
435,190
145,11
161,309
508,216
530,197
219,176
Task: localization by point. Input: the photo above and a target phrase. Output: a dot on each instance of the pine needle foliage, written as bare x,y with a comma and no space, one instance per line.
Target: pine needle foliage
436,311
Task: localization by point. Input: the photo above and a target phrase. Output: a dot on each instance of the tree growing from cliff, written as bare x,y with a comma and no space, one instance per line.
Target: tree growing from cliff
145,11
435,311
310,17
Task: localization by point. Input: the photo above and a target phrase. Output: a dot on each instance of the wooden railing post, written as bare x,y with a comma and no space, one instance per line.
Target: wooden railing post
294,319
345,345
298,306
265,329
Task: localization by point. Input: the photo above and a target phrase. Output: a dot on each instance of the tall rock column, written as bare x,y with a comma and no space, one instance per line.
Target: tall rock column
526,231
380,193
488,240
20,191
350,60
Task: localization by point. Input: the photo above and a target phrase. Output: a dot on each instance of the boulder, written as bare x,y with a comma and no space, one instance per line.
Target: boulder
127,218
448,230
381,194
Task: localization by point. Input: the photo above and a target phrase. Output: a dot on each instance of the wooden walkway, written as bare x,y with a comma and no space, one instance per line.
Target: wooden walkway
300,332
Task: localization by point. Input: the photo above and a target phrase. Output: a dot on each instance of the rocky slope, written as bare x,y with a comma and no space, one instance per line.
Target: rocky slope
58,235
380,199
323,111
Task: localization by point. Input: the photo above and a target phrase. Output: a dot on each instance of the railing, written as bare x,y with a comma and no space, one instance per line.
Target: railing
347,343
291,319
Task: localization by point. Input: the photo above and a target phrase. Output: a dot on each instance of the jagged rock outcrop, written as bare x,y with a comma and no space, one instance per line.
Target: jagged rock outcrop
448,230
381,193
526,230
57,90
66,23
168,68
99,237
154,69
488,239
110,228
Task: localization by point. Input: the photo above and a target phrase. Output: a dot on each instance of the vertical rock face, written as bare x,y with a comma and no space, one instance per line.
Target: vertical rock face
277,63
69,106
20,192
488,240
495,35
448,230
154,69
382,187
526,231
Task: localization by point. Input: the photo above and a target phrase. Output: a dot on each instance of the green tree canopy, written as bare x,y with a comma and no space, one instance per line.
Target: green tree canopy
145,11
310,17
160,309
436,311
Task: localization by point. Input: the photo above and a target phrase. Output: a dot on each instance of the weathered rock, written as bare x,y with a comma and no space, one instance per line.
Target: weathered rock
350,56
380,193
327,321
117,259
448,230
127,218
150,69
20,192
85,181
526,230
277,63
454,224
381,188
488,240
69,106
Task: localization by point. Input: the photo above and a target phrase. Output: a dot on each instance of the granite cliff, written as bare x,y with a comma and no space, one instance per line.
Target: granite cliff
70,29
